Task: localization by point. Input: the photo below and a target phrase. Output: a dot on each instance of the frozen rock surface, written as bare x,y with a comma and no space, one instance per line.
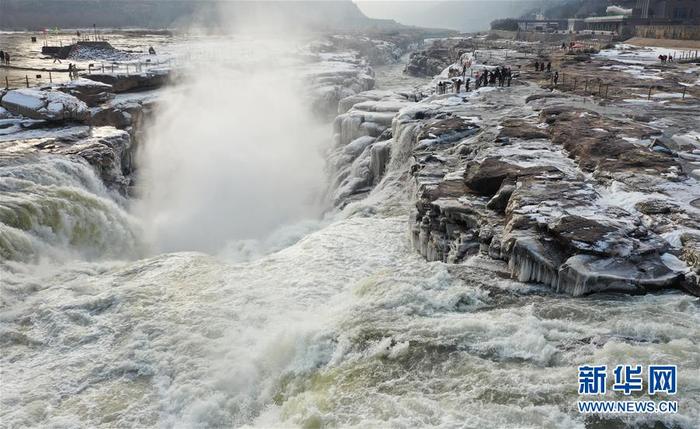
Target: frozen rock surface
362,142
583,197
151,79
90,92
107,149
43,104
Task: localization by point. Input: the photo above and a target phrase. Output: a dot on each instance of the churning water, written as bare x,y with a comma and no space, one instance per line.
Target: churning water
347,327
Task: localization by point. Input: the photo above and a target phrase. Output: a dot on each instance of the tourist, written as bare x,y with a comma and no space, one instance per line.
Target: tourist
2,57
458,85
7,58
537,66
466,84
549,67
556,78
477,81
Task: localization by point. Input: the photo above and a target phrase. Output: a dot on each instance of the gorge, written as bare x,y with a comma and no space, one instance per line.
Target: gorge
274,242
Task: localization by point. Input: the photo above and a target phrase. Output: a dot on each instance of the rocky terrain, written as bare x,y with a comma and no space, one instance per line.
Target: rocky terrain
574,189
581,193
101,117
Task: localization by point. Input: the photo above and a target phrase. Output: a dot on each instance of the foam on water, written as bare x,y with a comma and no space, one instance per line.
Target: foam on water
346,328
344,325
58,208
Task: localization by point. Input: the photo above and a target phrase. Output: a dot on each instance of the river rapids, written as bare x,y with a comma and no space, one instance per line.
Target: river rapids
346,327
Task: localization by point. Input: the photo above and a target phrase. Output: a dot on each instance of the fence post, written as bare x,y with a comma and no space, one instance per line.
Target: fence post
649,96
50,80
684,89
586,88
7,83
26,77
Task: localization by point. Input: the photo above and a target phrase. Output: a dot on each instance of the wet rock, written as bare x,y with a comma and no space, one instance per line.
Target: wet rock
586,274
518,128
446,131
499,201
487,176
655,207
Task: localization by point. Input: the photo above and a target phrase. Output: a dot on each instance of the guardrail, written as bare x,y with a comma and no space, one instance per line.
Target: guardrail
31,77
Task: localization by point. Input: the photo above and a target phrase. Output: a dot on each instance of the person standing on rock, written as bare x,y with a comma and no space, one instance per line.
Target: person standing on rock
537,66
7,58
549,67
556,78
466,84
458,85
2,57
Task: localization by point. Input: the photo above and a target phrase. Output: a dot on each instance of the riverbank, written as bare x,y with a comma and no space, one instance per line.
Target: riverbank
343,321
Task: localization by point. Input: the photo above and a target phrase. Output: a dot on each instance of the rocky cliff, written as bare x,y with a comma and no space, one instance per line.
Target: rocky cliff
580,194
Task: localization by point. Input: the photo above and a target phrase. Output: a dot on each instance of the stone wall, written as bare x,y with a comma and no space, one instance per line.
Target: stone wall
680,32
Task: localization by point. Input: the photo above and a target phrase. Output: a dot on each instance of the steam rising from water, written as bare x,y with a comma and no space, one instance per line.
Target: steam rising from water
234,152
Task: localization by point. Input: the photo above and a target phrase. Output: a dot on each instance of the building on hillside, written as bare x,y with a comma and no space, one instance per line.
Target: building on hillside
576,25
668,11
620,25
542,25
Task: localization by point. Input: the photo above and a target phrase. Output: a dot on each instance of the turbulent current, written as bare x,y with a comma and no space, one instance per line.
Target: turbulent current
347,327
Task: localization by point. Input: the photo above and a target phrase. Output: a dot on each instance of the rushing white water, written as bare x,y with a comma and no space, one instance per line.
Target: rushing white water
234,151
57,208
347,327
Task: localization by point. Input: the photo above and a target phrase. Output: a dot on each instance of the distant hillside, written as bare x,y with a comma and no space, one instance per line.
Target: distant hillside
583,8
39,14
466,16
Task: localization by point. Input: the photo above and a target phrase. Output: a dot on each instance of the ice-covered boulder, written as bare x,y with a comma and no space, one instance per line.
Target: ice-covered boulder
121,82
48,105
90,92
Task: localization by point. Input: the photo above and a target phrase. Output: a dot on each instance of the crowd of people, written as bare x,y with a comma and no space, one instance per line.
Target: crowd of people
4,58
500,76
666,58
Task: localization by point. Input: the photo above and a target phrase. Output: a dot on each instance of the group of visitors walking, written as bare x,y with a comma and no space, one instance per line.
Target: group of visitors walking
4,58
500,76
541,66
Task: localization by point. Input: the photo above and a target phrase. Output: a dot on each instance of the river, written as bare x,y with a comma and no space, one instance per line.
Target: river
347,326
